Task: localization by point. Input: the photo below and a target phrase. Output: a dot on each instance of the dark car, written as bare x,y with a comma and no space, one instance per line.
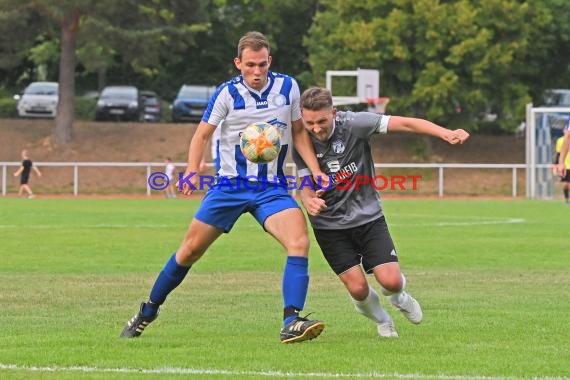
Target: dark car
191,102
120,103
152,106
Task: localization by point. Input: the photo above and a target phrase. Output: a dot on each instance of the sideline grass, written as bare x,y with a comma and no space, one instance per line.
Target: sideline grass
492,277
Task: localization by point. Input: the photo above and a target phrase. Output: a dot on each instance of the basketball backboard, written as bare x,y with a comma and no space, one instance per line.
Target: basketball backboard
367,86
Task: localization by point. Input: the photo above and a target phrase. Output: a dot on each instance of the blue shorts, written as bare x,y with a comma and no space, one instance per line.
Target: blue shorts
223,205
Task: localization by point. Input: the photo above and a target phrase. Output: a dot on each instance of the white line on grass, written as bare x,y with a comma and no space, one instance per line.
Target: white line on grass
224,372
106,225
85,226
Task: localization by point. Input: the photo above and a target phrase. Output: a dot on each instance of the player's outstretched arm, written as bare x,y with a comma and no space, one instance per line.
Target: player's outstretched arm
195,154
426,127
19,171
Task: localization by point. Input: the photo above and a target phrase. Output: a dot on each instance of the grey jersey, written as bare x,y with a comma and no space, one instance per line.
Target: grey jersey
346,155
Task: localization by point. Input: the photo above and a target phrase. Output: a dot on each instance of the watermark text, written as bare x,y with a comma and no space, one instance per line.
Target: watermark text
342,181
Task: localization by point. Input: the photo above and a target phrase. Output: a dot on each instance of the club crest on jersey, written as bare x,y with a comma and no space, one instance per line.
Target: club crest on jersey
279,100
338,146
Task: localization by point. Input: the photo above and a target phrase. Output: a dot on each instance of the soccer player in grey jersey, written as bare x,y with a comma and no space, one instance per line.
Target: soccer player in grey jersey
347,219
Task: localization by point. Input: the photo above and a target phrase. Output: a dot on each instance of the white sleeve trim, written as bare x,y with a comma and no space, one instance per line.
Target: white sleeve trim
383,127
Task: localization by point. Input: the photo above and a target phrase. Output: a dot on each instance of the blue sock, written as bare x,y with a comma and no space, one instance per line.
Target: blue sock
171,276
295,285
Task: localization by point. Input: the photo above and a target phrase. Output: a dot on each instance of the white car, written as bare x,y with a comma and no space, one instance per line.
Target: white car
39,100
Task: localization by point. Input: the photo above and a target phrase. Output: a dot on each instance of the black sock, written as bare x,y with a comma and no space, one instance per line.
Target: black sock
150,309
290,313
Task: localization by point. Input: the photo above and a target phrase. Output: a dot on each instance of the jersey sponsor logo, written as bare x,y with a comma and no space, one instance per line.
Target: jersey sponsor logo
338,146
347,170
334,166
261,103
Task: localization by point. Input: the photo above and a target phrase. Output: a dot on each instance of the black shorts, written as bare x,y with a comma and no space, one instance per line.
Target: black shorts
24,179
565,178
370,245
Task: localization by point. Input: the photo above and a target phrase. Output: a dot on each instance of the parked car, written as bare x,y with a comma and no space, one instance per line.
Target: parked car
191,102
39,99
120,103
152,106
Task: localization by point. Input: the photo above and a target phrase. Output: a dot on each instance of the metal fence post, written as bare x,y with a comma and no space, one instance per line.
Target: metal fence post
441,181
148,169
514,182
75,179
3,180
294,172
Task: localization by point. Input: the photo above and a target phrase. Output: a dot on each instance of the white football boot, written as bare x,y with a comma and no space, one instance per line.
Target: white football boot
387,330
410,308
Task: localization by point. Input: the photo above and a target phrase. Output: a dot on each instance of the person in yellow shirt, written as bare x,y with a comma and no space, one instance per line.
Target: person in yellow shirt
561,167
565,174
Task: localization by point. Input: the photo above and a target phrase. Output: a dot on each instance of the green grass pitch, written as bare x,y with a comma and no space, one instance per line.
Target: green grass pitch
493,278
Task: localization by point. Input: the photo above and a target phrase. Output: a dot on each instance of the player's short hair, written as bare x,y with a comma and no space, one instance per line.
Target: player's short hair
252,40
316,98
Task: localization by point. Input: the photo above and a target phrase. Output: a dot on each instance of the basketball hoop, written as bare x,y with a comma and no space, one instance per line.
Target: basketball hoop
378,105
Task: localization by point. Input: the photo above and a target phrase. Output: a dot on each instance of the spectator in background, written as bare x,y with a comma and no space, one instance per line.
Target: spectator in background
562,159
170,191
24,173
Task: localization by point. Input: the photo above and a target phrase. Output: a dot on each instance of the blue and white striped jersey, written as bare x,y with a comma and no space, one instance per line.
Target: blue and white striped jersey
238,105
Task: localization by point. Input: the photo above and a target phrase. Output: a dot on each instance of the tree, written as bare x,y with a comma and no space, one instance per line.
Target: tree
283,22
142,30
435,55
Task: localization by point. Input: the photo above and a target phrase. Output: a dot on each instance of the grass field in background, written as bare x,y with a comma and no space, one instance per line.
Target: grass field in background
492,277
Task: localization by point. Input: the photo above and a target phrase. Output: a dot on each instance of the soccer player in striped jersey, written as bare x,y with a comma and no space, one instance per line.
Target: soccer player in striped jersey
257,95
348,221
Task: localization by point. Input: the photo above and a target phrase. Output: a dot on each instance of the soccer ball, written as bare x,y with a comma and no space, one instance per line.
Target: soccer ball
260,142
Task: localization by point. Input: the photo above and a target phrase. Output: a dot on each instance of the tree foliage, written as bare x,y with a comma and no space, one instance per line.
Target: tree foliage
139,32
284,23
435,56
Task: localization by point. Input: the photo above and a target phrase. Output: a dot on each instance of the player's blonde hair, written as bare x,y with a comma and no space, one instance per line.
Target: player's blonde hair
316,98
252,40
